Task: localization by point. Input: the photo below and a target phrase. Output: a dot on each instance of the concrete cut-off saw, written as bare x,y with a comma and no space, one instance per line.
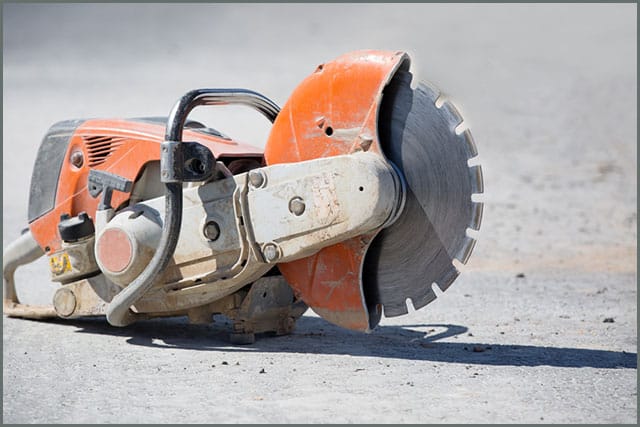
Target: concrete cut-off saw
360,201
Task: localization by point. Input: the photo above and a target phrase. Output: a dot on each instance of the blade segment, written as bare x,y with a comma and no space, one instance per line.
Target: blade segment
405,259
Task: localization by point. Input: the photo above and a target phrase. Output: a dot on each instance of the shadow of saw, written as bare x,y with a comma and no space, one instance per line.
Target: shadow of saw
315,336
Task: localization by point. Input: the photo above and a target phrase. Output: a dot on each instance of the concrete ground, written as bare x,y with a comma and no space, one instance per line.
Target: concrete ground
541,327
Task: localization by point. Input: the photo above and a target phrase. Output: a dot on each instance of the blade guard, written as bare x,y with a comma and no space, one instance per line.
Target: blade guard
334,111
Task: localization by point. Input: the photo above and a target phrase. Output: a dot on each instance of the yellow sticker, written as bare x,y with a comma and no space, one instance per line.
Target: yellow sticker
60,264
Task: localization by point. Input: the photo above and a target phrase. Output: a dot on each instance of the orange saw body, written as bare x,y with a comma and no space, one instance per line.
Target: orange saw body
310,127
360,201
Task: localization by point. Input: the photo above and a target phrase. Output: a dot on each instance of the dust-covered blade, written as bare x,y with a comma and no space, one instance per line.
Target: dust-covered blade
405,259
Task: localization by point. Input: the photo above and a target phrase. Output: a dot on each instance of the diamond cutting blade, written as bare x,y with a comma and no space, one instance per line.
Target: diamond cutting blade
418,249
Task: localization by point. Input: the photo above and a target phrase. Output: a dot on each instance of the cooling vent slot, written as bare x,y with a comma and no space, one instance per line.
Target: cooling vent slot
101,147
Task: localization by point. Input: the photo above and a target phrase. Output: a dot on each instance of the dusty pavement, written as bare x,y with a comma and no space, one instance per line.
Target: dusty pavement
549,93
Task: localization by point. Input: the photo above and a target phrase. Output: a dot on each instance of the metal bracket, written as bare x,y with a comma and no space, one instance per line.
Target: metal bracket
106,182
185,162
172,166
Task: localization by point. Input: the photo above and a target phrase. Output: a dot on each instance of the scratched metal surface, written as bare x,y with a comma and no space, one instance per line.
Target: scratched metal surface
549,92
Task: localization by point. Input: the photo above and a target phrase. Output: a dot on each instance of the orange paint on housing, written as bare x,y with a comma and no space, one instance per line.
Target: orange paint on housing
325,116
137,144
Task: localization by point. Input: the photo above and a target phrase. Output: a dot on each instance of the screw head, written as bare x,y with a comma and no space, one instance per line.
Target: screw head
64,302
271,252
211,230
77,159
257,178
296,206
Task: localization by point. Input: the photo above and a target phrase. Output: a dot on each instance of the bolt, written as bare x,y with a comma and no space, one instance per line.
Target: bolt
271,252
77,159
257,178
64,302
296,206
211,230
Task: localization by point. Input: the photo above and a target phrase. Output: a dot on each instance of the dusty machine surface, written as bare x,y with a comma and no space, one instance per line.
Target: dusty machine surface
360,201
